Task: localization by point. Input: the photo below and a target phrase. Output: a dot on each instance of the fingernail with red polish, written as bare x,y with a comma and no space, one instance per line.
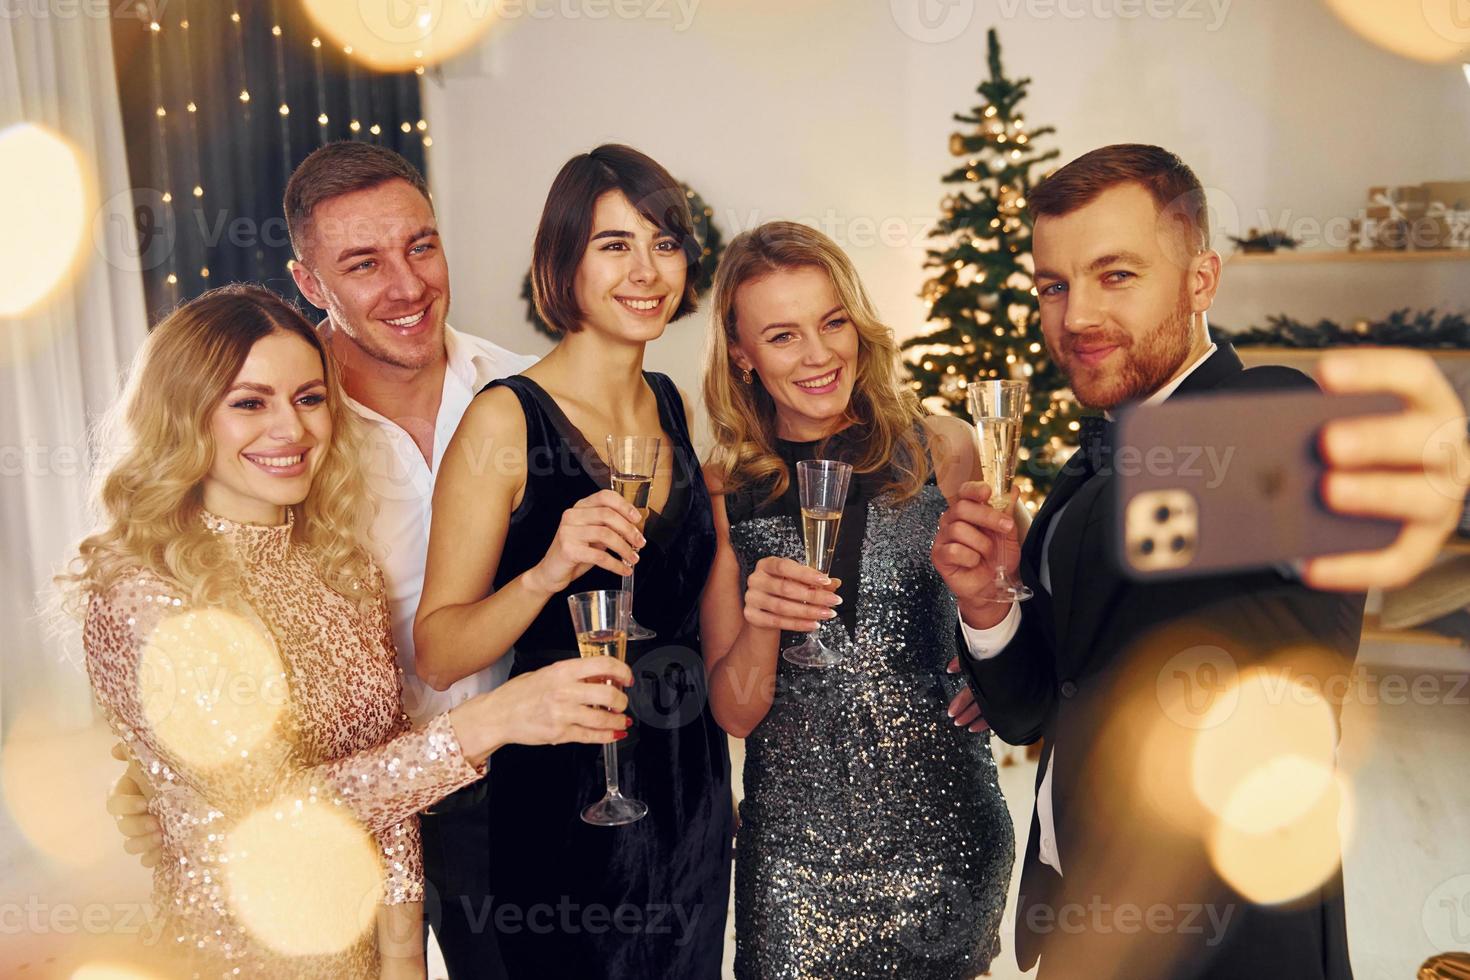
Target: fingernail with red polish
627,721
619,736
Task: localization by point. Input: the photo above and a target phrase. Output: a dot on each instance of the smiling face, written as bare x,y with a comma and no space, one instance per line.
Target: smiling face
796,336
631,276
1119,297
271,431
373,260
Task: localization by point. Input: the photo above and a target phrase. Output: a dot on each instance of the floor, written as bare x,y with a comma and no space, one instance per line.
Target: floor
68,895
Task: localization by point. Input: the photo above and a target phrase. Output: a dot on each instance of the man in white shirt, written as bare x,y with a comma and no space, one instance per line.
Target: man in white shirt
1124,277
368,253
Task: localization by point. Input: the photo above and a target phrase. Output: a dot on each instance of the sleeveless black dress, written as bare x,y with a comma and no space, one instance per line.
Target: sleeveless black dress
648,899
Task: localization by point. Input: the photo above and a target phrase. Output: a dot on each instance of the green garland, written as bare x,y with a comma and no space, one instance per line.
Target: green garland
706,233
1401,328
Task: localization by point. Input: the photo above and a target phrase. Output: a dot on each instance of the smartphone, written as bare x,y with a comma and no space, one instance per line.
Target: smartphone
1231,481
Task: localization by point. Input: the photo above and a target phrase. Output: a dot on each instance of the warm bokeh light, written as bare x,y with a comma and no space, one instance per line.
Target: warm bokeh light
60,815
45,198
211,685
303,877
396,35
111,971
1272,716
1425,30
1279,836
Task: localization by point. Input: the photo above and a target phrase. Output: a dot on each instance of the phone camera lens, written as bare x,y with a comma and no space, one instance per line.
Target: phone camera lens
1178,543
1162,514
1146,546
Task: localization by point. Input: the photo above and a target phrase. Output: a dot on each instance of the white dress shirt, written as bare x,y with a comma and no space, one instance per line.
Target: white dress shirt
404,487
986,643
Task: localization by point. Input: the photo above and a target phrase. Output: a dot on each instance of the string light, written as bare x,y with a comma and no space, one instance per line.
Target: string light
355,126
406,127
423,125
198,191
428,141
167,198
276,30
155,27
192,107
285,110
316,42
322,119
244,95
375,129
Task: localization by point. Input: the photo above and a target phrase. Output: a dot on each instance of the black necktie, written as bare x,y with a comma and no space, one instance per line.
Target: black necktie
1095,442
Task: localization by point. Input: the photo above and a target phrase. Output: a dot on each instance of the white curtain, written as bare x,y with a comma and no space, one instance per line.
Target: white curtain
61,363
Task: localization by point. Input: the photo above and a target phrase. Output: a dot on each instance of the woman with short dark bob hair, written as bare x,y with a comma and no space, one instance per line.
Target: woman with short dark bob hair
614,263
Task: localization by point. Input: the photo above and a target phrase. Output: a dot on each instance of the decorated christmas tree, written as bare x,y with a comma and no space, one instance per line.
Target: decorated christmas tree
981,298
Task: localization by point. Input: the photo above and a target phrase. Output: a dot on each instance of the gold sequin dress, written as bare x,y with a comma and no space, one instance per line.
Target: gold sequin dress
278,715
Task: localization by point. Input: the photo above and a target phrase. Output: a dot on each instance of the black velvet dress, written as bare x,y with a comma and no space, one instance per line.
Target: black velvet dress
648,899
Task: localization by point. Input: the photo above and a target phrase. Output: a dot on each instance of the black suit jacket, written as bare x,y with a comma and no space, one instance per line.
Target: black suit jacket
1081,673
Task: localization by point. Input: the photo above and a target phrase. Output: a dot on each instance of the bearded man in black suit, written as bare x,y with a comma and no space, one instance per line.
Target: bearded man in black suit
1144,859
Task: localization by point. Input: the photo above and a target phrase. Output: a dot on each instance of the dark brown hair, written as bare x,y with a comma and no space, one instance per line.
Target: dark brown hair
566,223
1174,187
340,168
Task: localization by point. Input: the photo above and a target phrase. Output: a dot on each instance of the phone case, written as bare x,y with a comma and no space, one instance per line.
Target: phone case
1230,481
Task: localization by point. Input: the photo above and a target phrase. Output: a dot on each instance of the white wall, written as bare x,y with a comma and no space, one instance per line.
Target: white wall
832,111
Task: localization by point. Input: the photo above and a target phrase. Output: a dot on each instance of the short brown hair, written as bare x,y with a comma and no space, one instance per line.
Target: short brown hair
1174,187
566,221
338,168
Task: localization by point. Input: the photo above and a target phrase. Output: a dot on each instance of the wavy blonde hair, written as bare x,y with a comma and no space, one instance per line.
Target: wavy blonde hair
882,411
148,500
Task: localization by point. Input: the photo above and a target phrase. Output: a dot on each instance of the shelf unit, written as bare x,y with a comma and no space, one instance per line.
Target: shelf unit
1289,257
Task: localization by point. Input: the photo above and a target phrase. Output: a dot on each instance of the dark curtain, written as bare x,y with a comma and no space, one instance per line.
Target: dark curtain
209,171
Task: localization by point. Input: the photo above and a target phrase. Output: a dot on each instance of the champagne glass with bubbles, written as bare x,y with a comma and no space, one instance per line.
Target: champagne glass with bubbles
601,622
999,411
822,484
632,460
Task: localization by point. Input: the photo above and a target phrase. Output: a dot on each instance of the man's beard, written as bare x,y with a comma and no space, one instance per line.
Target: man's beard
1146,365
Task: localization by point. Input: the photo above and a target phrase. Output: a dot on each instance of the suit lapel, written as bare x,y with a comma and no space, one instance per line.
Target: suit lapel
1084,495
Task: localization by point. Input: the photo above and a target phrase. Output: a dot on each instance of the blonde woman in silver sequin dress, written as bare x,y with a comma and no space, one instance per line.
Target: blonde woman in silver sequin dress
237,636
874,840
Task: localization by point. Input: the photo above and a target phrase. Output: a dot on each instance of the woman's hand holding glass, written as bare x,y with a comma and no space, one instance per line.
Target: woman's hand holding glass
782,594
600,531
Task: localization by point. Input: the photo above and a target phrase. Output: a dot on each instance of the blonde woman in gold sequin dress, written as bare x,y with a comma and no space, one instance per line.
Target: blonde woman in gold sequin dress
237,636
874,840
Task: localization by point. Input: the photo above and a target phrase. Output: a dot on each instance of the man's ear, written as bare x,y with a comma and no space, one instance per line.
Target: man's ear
1204,280
307,282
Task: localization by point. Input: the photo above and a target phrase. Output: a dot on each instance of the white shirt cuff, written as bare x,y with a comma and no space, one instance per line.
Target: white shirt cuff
987,643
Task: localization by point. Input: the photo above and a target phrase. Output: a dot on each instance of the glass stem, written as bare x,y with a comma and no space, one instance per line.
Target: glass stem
628,588
610,765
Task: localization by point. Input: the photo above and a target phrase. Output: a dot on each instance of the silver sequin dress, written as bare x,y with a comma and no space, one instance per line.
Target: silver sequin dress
874,840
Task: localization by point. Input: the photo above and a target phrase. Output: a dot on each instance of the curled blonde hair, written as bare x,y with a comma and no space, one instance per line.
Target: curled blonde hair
882,411
149,499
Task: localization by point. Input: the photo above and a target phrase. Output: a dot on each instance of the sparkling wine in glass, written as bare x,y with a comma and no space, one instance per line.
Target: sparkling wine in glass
601,623
632,460
822,484
999,411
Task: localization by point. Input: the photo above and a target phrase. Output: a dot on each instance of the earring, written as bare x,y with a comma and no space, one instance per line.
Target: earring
746,376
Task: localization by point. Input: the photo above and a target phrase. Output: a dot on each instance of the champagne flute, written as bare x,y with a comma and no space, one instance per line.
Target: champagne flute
999,411
632,460
823,488
601,622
